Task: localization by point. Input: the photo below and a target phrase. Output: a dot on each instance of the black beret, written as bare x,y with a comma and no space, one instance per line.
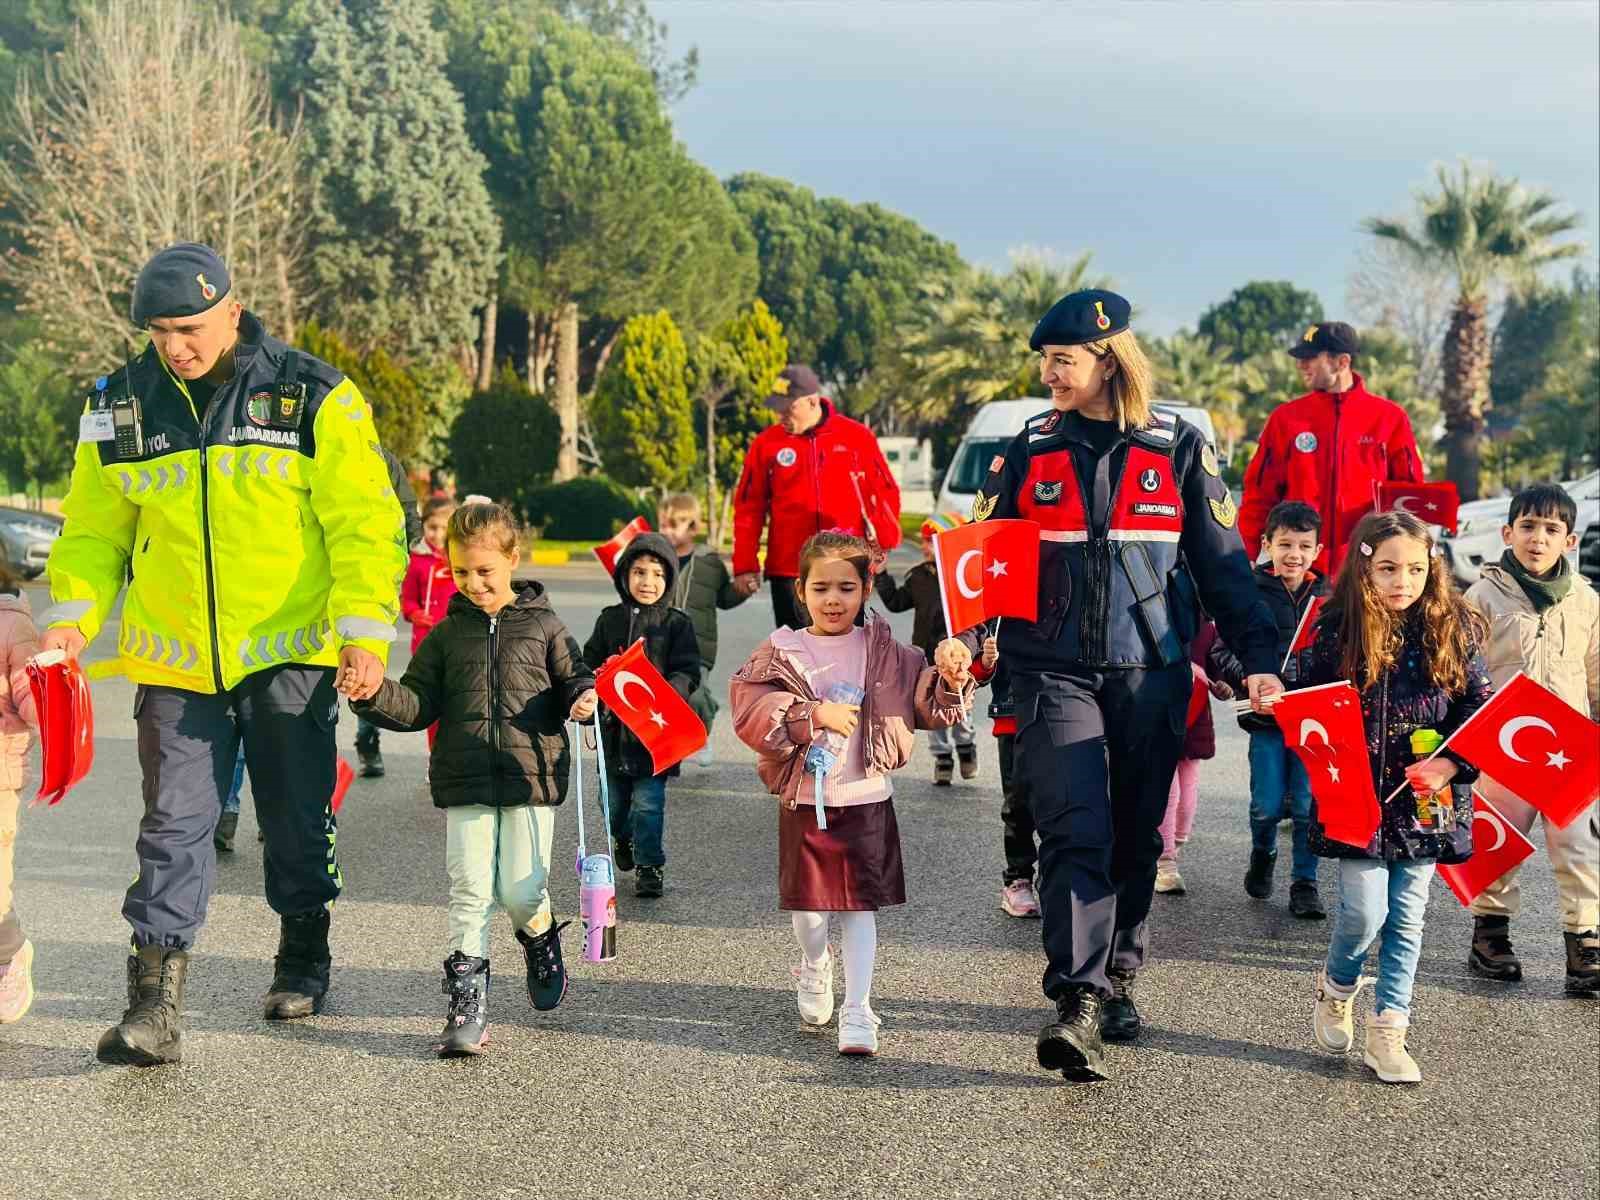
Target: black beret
180,281
1332,337
1081,317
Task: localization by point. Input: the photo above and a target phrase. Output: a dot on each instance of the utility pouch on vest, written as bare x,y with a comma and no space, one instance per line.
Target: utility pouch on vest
1150,604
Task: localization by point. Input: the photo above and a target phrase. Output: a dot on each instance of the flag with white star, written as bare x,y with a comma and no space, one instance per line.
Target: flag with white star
1323,726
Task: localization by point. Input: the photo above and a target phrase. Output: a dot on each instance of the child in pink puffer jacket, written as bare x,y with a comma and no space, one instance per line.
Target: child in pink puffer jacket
19,641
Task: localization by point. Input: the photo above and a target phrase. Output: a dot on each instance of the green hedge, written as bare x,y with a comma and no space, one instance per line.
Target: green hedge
590,508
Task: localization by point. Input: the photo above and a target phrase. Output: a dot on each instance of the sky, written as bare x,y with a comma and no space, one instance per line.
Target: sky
1191,146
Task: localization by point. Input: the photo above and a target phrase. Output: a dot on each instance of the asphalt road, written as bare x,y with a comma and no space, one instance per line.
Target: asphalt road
680,1070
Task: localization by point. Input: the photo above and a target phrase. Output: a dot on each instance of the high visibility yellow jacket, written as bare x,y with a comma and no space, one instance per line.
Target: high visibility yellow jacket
261,531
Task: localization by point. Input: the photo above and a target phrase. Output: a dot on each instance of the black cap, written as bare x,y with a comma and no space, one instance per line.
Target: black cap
793,381
1330,337
1081,317
180,281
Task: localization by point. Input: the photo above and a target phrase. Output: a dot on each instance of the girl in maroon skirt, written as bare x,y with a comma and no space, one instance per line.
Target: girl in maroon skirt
841,854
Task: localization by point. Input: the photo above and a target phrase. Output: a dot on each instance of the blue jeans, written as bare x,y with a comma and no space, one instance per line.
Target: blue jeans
1276,771
231,803
1383,902
639,816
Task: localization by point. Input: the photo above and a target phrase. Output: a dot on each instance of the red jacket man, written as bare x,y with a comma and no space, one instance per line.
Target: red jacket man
815,469
1329,447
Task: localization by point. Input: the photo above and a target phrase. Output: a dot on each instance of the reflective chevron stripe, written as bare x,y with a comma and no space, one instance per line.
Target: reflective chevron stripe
138,642
272,648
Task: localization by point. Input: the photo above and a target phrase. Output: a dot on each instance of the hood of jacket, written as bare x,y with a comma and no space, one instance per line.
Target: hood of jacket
530,594
646,543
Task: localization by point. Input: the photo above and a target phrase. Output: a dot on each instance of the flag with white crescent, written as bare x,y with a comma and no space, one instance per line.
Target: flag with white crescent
987,569
1323,726
631,687
1305,633
1535,745
1497,846
1430,503
610,550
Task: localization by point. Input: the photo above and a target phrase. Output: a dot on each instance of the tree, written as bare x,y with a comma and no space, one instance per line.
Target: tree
1391,288
844,279
731,372
402,409
1192,369
151,127
643,419
38,419
406,241
1261,316
606,212
1490,231
503,443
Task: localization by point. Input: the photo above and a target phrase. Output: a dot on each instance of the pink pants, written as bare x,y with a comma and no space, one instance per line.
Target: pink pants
1181,800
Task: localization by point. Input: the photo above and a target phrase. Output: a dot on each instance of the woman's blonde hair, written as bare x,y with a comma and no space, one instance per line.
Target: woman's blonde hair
1132,384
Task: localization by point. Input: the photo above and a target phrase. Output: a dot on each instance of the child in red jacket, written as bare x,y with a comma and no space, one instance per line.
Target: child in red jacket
425,593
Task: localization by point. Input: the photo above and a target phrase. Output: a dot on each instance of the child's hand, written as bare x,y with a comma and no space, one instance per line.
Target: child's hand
953,661
840,718
991,652
880,558
1433,775
1221,690
583,707
360,673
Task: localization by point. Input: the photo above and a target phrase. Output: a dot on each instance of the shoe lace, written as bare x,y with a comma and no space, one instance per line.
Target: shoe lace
859,1018
1589,952
465,998
1121,986
542,962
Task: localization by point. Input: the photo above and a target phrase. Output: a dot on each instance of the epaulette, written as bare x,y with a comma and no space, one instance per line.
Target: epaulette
1042,426
1160,432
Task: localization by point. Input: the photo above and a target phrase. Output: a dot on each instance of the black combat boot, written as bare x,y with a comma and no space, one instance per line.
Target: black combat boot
1491,954
1258,879
1071,1043
369,754
149,1033
466,1022
227,826
547,978
1583,963
1119,1019
300,976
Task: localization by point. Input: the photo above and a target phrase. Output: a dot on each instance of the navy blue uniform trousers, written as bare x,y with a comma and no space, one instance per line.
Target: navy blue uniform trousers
1098,752
188,744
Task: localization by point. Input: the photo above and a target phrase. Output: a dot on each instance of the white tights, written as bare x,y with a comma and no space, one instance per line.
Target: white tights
858,940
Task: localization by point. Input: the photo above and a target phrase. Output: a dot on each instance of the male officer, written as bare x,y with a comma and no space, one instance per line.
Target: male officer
240,483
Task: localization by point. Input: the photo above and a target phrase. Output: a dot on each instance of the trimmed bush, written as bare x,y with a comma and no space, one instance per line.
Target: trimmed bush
590,508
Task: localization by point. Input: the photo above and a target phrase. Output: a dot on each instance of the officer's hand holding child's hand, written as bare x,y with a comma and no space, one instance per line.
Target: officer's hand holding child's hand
360,673
1262,689
991,652
65,638
583,707
840,718
953,661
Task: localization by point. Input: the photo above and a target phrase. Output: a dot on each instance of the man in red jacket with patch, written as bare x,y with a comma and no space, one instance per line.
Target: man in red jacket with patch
815,469
1329,447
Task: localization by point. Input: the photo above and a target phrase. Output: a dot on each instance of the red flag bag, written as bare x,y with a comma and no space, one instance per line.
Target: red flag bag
66,723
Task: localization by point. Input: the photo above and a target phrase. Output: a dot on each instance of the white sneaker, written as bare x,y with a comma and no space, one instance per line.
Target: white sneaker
1333,1018
1168,881
16,986
1386,1049
813,990
703,758
858,1030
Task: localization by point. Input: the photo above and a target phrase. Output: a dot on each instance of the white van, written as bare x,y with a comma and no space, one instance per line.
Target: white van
991,432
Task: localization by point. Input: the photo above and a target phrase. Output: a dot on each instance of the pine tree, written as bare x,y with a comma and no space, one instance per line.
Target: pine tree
643,419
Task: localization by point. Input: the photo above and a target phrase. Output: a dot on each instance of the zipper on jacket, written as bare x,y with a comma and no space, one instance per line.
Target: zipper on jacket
1095,633
816,477
494,715
204,424
1333,493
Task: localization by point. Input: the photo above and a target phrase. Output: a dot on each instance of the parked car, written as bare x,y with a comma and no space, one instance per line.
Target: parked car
990,431
26,537
1477,538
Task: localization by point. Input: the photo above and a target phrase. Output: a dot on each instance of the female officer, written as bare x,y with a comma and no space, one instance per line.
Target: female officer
1137,531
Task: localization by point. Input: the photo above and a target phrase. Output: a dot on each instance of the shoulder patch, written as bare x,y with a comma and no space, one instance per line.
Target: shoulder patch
982,506
1224,511
1208,461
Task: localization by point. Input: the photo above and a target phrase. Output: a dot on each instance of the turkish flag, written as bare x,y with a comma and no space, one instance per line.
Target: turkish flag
1304,633
343,776
66,724
1497,846
1535,744
647,704
987,569
608,551
1431,503
1323,726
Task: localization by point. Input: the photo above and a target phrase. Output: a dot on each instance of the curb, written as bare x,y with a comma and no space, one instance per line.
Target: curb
548,558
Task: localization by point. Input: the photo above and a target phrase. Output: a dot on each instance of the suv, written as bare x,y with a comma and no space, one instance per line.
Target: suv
26,537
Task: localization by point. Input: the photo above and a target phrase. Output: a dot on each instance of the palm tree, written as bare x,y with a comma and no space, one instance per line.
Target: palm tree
1486,230
1192,370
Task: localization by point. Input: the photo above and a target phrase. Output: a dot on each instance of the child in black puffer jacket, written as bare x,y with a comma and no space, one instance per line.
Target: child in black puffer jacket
501,675
1398,631
644,576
